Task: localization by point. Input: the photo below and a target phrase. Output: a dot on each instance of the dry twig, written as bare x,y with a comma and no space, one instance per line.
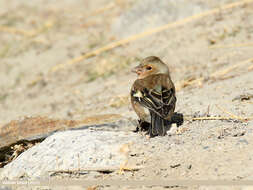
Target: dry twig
150,32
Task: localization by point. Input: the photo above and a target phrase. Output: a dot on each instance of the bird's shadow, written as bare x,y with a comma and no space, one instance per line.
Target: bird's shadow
177,118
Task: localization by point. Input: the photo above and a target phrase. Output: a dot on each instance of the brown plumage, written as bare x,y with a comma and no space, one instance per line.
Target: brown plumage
153,95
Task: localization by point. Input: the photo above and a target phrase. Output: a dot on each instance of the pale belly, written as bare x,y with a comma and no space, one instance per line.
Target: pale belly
147,117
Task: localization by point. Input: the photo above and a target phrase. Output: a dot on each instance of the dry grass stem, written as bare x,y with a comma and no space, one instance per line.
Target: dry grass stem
150,32
229,113
102,9
16,31
11,30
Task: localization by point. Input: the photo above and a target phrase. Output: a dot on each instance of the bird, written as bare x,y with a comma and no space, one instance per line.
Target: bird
153,96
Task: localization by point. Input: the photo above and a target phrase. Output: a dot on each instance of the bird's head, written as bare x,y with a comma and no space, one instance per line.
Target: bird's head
150,66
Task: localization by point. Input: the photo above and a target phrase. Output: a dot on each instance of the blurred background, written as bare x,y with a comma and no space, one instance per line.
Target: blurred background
72,59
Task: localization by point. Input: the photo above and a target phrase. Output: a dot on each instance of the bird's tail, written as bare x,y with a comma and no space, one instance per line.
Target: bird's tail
157,125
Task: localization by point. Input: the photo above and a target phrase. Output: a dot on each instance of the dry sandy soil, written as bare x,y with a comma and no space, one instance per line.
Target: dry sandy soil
211,63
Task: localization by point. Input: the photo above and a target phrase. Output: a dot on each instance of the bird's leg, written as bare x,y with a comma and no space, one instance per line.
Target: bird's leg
149,132
142,126
151,128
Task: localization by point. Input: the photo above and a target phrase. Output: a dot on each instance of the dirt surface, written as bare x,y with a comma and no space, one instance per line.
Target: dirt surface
210,59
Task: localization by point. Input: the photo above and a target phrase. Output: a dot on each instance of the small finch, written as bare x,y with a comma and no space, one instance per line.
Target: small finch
153,96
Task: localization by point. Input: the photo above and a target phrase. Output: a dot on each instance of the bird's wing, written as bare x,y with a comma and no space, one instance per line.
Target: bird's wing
163,101
160,98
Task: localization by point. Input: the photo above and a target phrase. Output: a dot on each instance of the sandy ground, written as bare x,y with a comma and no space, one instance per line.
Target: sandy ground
207,62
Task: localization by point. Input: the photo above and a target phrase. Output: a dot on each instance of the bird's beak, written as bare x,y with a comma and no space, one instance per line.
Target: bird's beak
137,70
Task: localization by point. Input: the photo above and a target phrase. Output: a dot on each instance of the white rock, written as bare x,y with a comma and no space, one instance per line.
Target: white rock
70,150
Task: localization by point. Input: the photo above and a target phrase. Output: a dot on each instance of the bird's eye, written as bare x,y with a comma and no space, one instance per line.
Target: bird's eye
148,67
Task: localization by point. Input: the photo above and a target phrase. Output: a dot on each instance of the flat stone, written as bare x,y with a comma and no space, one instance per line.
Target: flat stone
70,150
